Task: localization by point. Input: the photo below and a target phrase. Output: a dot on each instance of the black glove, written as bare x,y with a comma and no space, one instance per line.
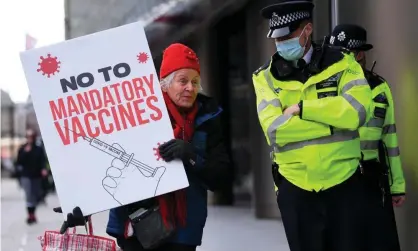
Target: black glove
73,219
178,149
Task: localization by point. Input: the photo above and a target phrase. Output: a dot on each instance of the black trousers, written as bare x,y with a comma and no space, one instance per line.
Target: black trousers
330,220
382,233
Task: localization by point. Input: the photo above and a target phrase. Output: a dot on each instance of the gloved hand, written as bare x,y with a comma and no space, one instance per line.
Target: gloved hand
73,219
178,149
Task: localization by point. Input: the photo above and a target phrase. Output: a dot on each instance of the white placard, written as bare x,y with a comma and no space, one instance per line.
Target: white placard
102,115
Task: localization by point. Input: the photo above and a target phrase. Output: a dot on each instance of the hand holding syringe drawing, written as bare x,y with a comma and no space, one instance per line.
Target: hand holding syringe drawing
125,170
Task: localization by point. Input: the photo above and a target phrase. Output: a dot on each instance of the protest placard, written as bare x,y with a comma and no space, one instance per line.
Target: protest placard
102,117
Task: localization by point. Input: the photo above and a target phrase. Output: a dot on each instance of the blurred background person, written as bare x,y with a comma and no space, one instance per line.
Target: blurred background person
47,179
30,167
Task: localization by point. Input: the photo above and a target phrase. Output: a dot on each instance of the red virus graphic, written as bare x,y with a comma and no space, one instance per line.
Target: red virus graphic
157,152
49,66
142,57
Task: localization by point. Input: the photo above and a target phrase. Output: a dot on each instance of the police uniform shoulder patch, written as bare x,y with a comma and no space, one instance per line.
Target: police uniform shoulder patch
381,98
373,79
263,67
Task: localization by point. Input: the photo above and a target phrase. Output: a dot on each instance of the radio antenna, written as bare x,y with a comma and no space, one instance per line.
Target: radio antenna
374,64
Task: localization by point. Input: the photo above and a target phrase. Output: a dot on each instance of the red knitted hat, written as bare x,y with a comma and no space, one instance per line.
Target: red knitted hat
178,56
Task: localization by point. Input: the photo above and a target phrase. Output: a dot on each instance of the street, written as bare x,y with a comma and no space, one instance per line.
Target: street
227,228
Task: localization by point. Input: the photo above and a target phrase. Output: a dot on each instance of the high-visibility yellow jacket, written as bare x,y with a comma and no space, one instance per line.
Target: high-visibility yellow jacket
320,148
381,127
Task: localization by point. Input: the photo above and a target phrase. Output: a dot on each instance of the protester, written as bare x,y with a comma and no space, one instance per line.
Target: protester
198,143
30,168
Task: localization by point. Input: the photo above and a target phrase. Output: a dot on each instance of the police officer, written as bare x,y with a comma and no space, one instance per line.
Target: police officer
311,100
385,182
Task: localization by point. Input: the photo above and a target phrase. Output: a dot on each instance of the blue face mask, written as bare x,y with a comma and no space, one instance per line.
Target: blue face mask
290,49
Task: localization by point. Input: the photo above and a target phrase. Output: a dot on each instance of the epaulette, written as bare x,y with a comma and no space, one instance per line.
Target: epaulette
263,67
373,79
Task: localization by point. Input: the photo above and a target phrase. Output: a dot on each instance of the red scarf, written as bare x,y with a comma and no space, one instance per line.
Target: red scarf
173,205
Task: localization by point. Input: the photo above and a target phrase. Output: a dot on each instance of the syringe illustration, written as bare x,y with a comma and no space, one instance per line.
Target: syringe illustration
145,169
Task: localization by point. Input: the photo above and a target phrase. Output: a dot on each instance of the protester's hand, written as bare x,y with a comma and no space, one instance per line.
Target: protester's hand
76,218
398,201
292,110
177,149
120,179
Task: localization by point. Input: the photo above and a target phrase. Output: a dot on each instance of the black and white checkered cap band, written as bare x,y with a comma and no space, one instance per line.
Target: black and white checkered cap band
279,25
351,44
354,43
280,21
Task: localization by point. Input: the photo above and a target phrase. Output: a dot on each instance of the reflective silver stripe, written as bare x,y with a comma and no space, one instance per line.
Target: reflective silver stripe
263,104
375,122
389,129
374,145
353,102
270,82
393,151
272,130
369,144
353,83
358,107
338,136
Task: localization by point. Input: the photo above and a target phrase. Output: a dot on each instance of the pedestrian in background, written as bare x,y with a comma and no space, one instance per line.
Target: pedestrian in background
31,168
385,183
198,142
311,101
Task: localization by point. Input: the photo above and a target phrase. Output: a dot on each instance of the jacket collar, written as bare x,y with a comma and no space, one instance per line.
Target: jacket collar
208,109
322,57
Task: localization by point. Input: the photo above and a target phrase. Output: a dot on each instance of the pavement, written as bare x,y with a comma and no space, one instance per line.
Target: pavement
227,228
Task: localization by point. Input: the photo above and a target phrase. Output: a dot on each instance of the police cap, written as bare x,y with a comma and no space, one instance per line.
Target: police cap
350,36
286,16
